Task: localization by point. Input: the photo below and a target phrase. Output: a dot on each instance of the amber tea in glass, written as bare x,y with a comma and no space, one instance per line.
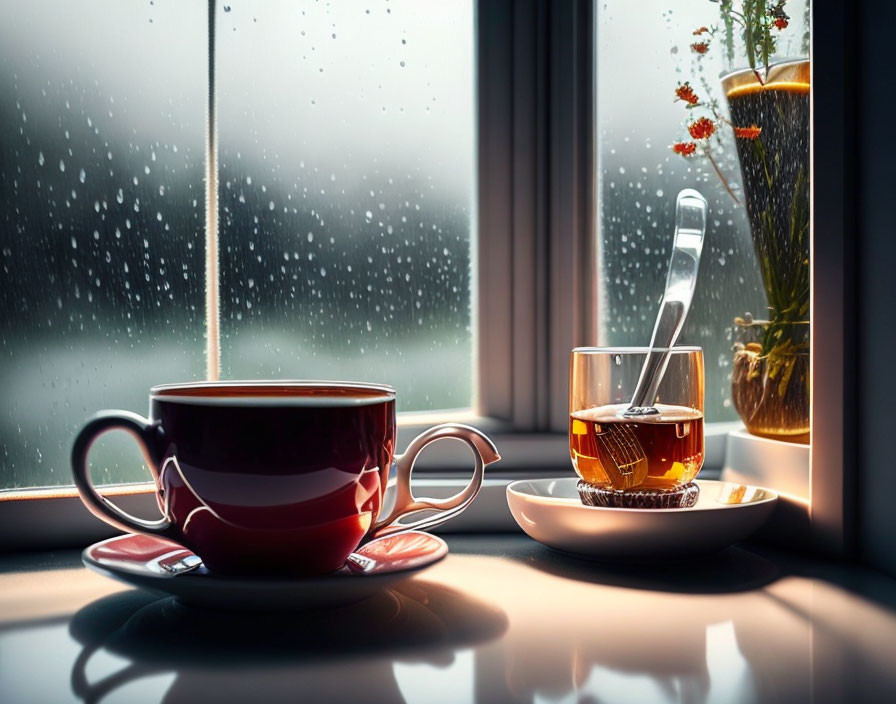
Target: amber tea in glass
653,455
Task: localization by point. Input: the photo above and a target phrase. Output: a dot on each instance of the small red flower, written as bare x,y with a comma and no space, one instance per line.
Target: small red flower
686,93
751,132
684,148
700,47
781,22
700,30
702,128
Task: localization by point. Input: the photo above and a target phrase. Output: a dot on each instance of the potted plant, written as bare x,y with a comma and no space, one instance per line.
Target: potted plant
768,115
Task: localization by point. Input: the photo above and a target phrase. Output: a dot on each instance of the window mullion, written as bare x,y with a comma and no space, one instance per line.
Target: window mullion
573,302
536,243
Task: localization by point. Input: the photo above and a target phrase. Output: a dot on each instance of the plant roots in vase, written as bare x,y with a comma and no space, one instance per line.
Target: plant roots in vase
771,392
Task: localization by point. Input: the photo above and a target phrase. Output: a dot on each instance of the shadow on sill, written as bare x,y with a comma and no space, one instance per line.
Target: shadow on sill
743,567
732,570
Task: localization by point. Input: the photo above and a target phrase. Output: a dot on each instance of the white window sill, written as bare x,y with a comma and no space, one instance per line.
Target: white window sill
48,518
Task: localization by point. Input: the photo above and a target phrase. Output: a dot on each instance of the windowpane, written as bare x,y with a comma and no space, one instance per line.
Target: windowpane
346,142
638,121
346,138
101,218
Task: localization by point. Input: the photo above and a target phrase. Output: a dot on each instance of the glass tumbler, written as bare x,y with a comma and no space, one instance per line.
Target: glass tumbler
642,461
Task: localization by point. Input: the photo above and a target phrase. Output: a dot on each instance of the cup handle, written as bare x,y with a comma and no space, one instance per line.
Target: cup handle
148,435
484,453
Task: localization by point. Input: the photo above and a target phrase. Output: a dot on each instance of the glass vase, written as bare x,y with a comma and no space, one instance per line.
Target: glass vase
770,387
770,118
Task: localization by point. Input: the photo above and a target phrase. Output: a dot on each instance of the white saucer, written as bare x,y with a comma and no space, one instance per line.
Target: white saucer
166,567
550,511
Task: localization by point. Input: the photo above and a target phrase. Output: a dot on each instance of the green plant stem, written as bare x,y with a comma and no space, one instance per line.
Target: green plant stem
721,176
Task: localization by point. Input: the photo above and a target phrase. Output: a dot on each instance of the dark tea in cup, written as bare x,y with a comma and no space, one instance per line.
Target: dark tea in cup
274,477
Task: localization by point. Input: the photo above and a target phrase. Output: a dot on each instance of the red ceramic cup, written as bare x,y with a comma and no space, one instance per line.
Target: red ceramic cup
274,477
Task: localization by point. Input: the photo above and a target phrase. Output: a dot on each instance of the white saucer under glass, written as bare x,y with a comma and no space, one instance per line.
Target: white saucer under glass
551,512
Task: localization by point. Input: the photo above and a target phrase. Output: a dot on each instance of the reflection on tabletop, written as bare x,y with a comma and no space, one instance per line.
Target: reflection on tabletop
266,655
501,619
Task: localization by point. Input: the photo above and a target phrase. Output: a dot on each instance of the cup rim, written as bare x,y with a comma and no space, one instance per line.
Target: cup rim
273,390
678,349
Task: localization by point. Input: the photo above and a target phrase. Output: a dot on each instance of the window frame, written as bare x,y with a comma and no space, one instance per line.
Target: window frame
533,211
832,511
555,189
536,252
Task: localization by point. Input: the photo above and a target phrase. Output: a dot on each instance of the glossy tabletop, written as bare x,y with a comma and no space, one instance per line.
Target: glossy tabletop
501,619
